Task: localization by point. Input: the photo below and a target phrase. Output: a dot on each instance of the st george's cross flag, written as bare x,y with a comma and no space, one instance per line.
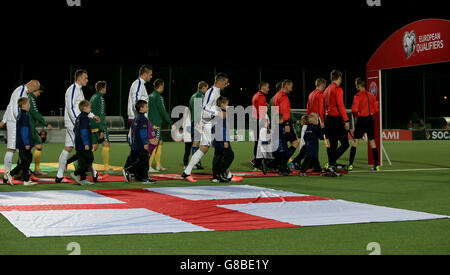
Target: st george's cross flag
183,209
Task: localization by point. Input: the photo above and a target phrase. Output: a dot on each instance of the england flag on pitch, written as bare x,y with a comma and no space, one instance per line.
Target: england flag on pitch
183,209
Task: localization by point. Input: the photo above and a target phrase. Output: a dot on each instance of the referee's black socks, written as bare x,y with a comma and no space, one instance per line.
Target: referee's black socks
375,156
352,154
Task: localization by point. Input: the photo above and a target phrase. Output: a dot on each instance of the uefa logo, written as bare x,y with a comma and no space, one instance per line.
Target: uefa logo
409,43
373,89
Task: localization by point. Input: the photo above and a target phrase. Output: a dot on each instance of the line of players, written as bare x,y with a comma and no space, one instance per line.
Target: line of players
327,104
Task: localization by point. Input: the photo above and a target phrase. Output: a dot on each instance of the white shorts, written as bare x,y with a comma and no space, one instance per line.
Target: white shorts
11,135
70,137
207,136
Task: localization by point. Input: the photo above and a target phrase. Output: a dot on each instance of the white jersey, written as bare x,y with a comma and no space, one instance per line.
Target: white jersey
12,111
209,106
137,92
74,95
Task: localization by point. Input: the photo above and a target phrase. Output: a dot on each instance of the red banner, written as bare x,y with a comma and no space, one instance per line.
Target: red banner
397,135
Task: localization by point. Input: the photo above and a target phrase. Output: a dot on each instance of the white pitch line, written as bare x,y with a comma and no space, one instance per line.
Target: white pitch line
401,170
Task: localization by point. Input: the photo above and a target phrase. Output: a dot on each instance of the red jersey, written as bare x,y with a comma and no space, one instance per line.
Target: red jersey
334,101
364,104
259,104
282,101
315,104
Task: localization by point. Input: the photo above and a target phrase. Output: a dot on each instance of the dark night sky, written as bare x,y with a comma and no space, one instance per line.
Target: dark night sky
305,34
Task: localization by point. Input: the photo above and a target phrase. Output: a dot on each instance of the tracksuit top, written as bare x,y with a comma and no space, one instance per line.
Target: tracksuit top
139,135
83,134
24,134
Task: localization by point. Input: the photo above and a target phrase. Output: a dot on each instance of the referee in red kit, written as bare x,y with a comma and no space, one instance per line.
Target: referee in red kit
364,106
259,111
281,100
337,123
315,100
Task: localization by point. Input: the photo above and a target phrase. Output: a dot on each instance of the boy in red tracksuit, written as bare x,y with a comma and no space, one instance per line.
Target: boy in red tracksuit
364,107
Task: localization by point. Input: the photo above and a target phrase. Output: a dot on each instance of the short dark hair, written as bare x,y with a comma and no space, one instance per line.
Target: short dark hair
145,69
285,83
79,73
262,83
22,101
99,85
335,74
83,104
221,100
360,82
139,104
157,83
221,76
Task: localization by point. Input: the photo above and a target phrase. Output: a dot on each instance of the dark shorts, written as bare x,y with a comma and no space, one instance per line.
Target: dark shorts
96,137
334,128
365,125
291,136
36,138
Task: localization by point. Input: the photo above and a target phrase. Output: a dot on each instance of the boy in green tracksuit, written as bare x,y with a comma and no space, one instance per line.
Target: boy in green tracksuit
99,130
156,114
36,117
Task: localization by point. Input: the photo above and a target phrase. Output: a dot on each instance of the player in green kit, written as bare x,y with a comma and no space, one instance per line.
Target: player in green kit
36,117
99,130
156,114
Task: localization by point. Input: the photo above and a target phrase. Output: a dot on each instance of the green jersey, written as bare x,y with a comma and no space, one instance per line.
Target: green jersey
34,114
156,110
98,108
195,116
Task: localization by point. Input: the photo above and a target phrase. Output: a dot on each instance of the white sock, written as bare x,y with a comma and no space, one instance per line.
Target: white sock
229,175
8,161
194,160
62,163
93,170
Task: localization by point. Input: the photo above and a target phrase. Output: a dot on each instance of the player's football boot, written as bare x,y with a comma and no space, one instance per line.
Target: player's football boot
189,178
126,175
350,167
376,168
236,178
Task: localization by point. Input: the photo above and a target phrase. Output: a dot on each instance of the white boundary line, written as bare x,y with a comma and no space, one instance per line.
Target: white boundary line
401,170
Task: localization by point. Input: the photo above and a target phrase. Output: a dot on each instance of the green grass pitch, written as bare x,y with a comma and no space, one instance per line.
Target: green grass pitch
420,190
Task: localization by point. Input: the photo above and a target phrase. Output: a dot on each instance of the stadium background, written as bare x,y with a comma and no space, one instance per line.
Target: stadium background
425,84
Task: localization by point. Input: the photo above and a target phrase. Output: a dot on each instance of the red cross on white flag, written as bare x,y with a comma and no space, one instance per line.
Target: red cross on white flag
182,209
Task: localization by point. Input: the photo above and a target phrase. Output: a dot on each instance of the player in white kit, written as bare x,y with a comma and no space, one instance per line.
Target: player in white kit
10,117
74,95
209,111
